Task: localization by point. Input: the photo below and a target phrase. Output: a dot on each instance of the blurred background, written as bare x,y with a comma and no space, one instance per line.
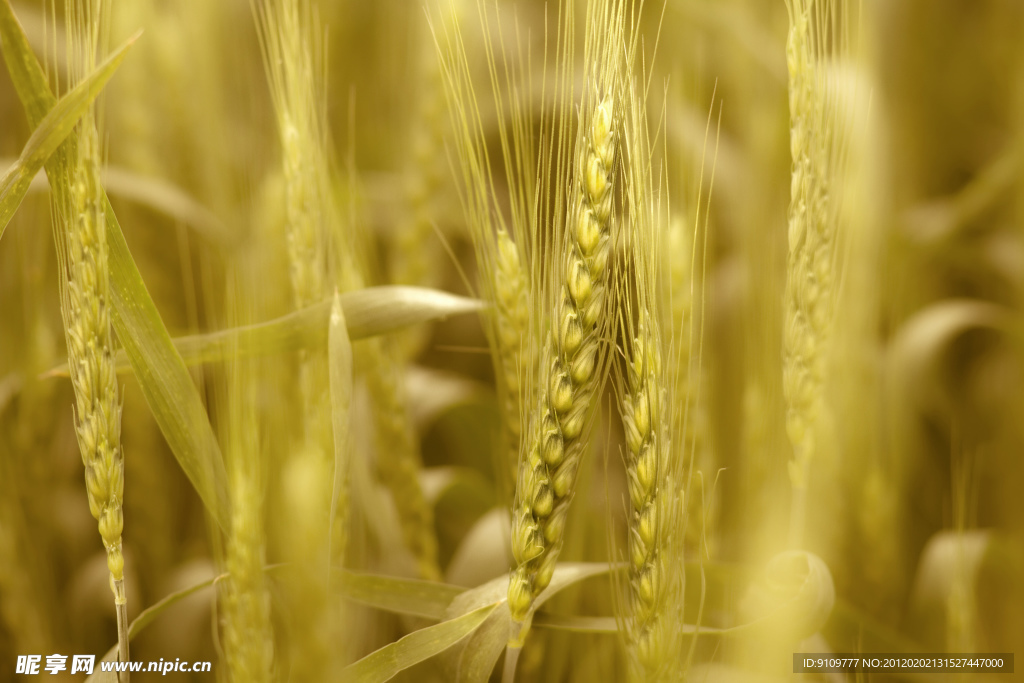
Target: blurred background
917,505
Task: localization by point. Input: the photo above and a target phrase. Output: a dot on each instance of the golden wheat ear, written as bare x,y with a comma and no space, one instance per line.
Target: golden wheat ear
811,278
574,362
80,235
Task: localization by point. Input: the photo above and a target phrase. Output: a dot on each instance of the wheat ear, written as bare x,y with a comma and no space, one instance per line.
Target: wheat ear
85,295
655,402
398,459
646,469
547,475
248,635
810,280
90,352
512,321
290,48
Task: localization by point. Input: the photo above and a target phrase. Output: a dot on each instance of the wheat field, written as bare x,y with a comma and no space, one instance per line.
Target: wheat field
494,340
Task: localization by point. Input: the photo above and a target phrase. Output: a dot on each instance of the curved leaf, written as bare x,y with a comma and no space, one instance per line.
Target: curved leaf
149,615
481,651
610,626
578,624
483,551
432,392
169,199
477,658
795,595
378,310
164,379
920,347
415,597
566,574
145,618
416,647
51,132
368,313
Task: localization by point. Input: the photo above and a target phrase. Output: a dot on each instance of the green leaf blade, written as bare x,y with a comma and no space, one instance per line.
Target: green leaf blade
427,599
368,313
27,75
163,377
51,132
387,662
